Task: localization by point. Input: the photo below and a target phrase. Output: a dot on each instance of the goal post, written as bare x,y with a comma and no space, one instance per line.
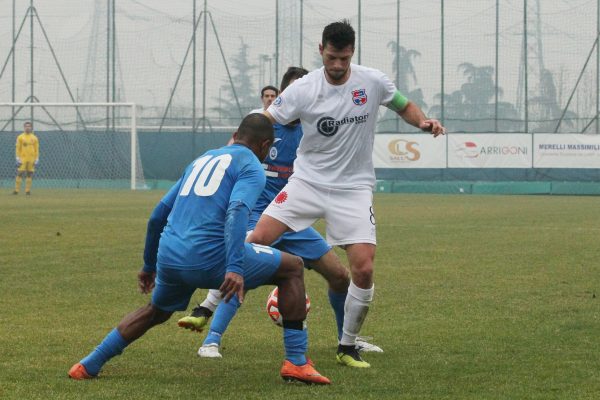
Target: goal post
82,145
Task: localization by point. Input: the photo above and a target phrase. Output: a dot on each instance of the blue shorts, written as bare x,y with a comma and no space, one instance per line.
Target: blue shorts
174,286
307,244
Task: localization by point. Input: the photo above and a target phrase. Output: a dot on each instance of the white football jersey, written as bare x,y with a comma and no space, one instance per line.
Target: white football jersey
257,111
338,122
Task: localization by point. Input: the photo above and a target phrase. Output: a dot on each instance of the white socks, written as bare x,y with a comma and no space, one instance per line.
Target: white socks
355,311
213,298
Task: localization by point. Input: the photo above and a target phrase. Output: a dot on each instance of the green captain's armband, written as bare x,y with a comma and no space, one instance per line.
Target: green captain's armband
398,102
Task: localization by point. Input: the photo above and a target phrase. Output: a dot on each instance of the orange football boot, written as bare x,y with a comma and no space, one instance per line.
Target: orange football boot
79,373
304,373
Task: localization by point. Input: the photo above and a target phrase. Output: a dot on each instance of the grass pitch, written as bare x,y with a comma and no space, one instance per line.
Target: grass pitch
477,297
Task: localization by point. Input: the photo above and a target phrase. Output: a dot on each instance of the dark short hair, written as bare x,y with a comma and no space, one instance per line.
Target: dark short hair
255,128
339,35
27,123
291,74
268,87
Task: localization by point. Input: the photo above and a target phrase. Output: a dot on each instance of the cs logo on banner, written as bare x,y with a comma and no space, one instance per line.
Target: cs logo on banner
403,150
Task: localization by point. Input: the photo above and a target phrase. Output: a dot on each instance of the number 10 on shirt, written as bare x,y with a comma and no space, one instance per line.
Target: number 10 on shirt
206,184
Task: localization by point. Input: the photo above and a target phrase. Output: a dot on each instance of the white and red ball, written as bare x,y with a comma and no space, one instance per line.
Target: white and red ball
273,307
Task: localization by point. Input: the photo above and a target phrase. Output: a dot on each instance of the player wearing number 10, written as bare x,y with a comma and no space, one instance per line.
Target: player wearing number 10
203,221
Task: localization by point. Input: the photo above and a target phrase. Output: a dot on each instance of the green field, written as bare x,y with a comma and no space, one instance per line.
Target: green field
477,297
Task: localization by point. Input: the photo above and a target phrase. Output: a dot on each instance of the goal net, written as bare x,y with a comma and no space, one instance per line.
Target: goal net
81,145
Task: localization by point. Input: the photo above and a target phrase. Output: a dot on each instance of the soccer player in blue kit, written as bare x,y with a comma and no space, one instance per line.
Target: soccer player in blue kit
308,244
203,220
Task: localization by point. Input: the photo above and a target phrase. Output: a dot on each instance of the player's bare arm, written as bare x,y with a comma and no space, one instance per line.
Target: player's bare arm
412,114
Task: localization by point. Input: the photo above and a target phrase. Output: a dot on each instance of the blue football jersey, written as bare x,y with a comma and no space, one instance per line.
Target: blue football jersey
279,165
195,230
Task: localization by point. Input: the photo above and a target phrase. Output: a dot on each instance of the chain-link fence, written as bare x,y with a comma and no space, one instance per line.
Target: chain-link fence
480,66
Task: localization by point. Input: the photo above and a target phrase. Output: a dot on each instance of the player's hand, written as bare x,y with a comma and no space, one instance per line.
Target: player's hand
18,160
146,281
233,284
36,162
434,126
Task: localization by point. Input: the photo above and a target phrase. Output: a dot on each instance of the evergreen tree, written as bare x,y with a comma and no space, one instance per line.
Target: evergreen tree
545,111
248,97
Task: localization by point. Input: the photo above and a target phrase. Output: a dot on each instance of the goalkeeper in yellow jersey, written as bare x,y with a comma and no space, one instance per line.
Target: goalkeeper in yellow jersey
27,157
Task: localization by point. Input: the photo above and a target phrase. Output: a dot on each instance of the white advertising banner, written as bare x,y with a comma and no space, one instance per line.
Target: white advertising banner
409,151
494,150
557,150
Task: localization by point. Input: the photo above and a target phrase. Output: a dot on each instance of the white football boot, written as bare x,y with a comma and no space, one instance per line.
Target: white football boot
363,345
210,350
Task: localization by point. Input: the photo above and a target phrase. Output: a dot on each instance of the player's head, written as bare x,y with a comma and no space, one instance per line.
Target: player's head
339,35
255,132
28,127
267,95
291,75
337,49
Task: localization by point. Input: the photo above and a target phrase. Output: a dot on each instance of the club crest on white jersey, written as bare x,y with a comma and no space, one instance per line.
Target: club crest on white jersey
359,97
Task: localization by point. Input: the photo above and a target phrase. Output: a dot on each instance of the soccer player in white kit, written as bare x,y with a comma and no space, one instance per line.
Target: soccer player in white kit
334,177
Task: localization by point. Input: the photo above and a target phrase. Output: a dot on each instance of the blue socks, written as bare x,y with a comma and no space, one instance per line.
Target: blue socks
295,338
112,345
221,319
337,301
295,342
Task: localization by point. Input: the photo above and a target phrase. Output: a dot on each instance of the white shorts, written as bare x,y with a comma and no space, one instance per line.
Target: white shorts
348,213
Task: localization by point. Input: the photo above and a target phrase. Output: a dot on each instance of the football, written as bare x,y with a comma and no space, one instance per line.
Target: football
273,307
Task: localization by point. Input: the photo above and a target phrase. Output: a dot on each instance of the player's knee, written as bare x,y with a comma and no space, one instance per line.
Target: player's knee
140,317
336,275
297,267
292,267
160,316
339,280
362,272
257,236
154,316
